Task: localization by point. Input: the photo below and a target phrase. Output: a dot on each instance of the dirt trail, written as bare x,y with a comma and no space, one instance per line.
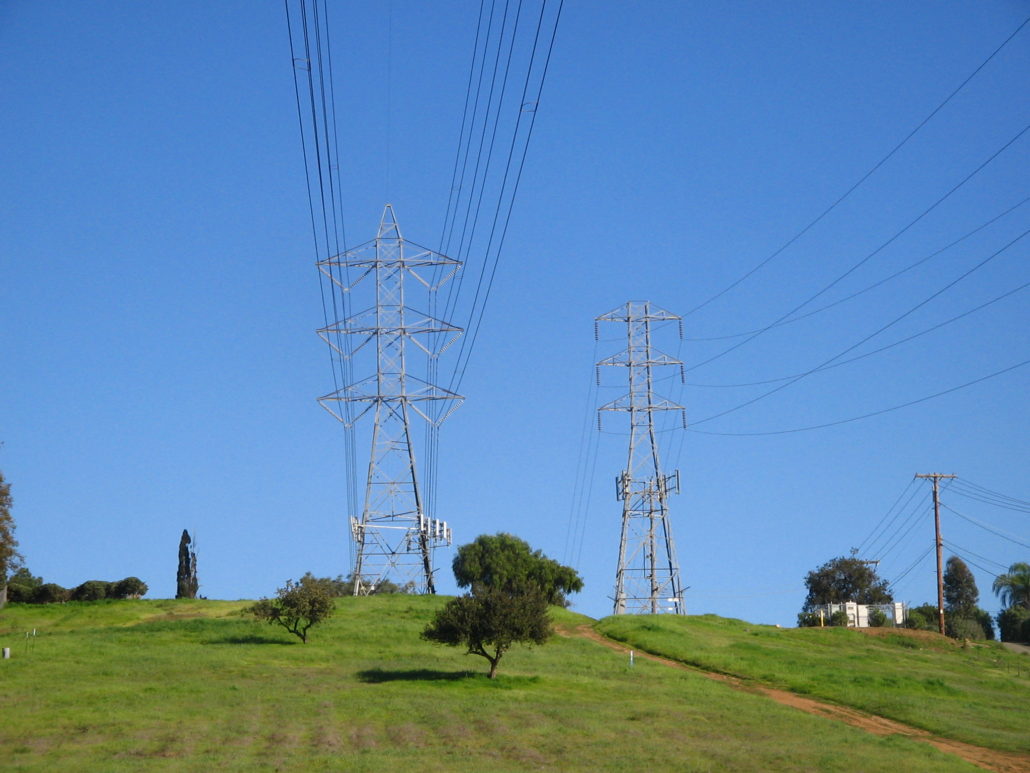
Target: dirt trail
989,759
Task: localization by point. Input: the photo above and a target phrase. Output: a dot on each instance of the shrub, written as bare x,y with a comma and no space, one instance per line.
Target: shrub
922,618
91,590
839,619
129,588
808,620
50,593
877,619
297,606
964,628
1014,624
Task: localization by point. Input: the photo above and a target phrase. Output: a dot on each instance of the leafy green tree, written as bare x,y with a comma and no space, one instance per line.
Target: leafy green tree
845,579
21,586
960,591
91,590
50,593
297,606
10,558
1014,624
488,621
341,588
503,561
129,588
922,618
876,618
1013,587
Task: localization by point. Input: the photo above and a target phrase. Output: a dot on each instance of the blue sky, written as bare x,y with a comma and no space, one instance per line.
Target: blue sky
159,296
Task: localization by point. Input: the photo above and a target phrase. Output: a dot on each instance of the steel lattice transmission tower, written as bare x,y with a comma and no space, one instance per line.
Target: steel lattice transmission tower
394,539
648,576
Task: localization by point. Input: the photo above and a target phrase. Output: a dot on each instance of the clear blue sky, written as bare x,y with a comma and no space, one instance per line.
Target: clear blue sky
159,298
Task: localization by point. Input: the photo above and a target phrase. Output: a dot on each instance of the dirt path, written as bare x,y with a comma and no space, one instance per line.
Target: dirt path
989,759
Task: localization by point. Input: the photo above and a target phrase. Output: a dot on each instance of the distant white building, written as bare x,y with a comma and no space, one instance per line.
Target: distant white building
858,614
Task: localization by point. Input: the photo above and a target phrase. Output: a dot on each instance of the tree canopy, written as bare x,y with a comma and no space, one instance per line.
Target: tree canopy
960,591
9,556
505,562
186,582
297,606
1013,587
845,578
490,620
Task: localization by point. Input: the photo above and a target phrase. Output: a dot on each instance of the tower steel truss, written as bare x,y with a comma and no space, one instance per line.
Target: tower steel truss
648,576
394,539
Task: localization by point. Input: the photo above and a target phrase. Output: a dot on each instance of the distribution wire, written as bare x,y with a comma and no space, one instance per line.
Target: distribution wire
890,509
970,484
1003,501
985,527
958,548
864,177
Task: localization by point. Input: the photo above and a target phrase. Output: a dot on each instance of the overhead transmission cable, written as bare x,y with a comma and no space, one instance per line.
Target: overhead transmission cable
890,509
864,177
985,527
876,332
867,257
873,286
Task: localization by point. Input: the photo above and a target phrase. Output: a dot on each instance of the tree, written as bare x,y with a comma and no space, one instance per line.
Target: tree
10,559
341,588
1014,624
129,588
876,618
91,590
297,606
845,579
1013,587
488,621
186,582
503,561
960,591
21,586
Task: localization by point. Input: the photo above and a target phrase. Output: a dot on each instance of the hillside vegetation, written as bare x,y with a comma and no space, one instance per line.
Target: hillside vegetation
977,693
173,685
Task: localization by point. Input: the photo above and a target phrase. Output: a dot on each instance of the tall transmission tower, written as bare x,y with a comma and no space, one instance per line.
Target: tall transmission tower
648,576
394,539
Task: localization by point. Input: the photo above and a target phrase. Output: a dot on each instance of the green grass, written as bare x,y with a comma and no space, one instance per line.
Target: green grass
979,694
169,685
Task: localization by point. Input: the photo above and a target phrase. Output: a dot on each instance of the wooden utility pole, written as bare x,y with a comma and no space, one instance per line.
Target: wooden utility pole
936,478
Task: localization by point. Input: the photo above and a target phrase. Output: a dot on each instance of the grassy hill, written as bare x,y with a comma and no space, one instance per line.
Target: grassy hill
192,685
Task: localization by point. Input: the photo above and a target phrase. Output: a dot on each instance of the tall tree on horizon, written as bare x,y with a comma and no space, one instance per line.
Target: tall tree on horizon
10,559
186,582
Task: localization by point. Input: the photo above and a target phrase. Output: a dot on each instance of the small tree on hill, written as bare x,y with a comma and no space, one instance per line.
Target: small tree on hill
186,582
490,620
845,579
505,561
297,606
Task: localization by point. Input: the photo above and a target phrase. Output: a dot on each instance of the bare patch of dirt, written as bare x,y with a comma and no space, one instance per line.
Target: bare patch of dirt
989,759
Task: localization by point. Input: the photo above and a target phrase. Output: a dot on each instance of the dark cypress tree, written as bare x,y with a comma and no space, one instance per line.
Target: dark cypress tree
186,582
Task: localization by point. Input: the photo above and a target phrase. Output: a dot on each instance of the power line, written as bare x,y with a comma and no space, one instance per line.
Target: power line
890,509
876,284
985,527
854,346
873,413
869,256
864,177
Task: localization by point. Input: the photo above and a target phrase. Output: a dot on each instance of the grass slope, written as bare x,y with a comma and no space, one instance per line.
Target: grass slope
978,694
168,685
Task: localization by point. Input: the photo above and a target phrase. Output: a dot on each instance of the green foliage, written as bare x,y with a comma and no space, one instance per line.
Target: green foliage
845,579
490,620
341,588
922,618
1013,587
839,619
10,558
808,619
50,593
963,628
960,591
876,618
297,606
21,586
1014,624
503,561
91,590
129,588
186,582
